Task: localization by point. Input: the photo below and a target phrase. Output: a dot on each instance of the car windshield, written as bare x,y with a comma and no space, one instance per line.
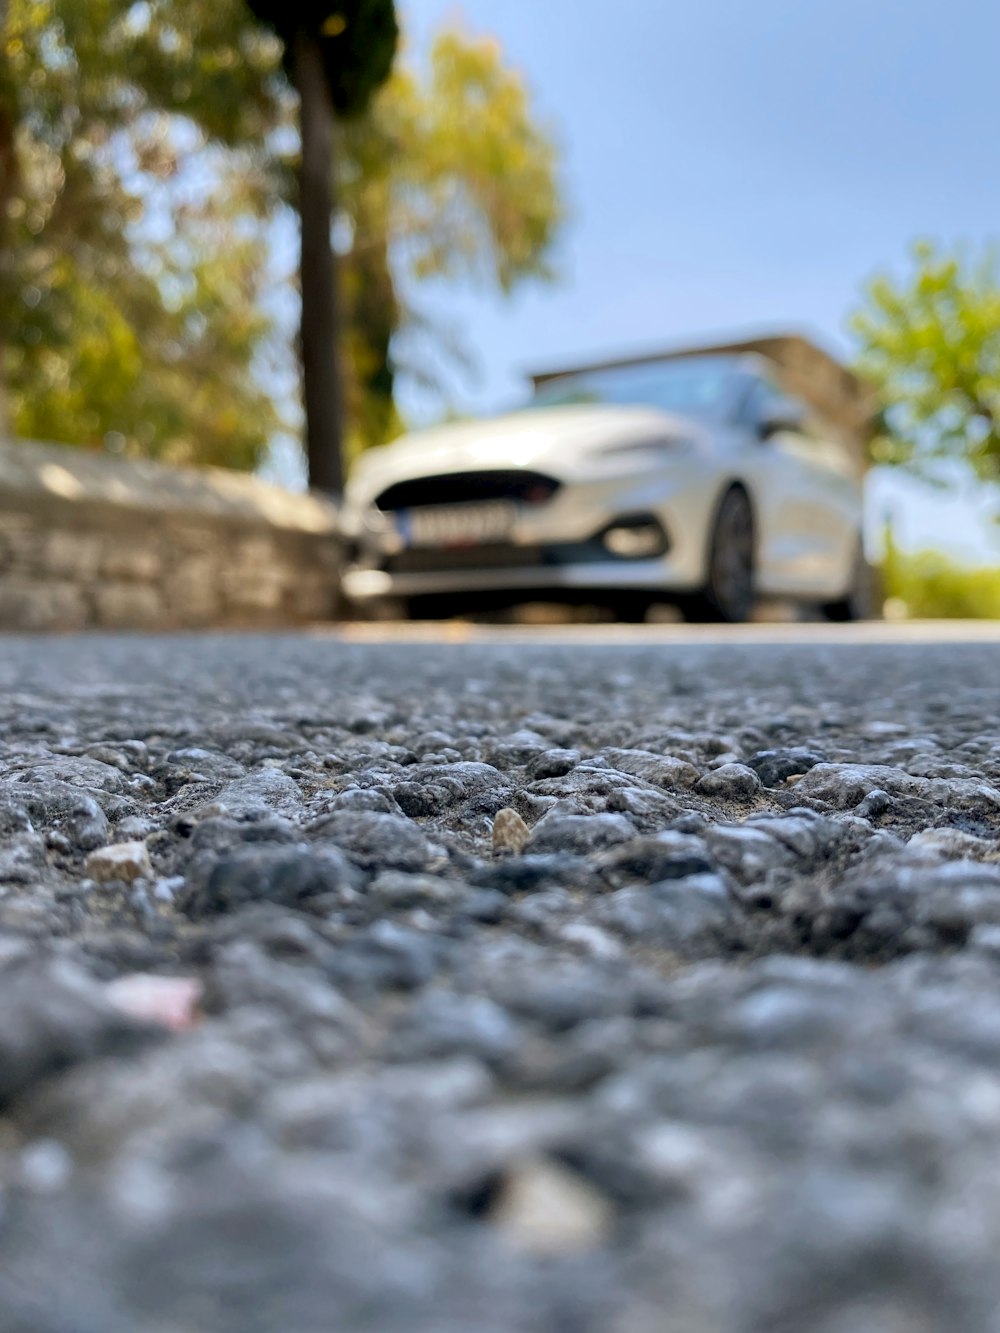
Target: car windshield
699,386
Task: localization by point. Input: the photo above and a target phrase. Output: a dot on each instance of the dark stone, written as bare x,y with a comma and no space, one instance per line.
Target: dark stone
774,766
527,874
223,834
64,809
284,875
557,832
552,764
55,1016
14,818
652,859
377,841
418,799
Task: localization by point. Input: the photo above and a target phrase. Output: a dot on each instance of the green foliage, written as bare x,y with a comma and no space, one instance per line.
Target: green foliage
134,256
931,344
150,149
473,172
451,177
934,587
357,41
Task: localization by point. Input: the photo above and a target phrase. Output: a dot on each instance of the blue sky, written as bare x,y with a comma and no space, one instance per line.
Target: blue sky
731,166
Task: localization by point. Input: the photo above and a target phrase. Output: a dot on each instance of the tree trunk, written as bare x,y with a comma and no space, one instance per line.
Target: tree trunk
322,381
8,167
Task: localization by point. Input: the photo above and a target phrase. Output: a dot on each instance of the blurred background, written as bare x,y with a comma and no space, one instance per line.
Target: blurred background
521,186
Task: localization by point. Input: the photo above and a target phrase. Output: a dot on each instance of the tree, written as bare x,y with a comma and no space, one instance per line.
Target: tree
8,179
134,186
448,176
150,145
336,53
931,343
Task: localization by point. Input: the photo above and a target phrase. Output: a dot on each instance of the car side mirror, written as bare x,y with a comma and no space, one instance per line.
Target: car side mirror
781,417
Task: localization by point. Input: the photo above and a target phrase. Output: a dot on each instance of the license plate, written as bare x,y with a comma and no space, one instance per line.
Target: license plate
458,524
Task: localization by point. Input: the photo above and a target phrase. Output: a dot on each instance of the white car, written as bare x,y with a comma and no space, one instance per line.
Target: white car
694,480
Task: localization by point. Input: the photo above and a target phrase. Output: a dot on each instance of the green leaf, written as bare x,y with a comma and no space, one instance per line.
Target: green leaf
930,342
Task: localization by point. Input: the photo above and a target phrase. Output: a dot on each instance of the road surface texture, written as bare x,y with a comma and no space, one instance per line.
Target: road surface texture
287,1045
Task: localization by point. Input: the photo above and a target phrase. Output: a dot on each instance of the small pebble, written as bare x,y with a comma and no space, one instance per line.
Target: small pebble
170,1001
510,832
545,1210
126,861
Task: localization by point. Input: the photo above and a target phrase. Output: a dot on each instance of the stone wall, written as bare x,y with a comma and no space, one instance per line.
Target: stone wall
86,540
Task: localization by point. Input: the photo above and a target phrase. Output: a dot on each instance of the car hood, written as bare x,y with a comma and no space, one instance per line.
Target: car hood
556,440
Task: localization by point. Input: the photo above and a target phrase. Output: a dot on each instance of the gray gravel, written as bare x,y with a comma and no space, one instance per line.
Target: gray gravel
718,1050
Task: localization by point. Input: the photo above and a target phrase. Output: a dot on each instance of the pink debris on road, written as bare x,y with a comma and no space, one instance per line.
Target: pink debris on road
170,1001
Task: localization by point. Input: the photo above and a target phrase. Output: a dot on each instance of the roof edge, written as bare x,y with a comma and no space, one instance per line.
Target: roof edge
814,372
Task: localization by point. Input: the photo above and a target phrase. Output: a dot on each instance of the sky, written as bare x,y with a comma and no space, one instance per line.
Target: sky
731,167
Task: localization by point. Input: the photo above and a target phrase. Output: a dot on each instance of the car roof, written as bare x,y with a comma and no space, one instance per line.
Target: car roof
801,365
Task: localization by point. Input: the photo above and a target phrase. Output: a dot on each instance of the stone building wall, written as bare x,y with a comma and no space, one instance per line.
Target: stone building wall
86,540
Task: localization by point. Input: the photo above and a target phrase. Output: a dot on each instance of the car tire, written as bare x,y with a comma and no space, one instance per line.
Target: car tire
863,600
431,606
631,608
728,594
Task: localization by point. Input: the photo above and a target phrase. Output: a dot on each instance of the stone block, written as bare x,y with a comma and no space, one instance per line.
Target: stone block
192,536
85,540
191,587
14,531
129,606
132,559
313,596
245,590
67,553
22,542
255,554
42,604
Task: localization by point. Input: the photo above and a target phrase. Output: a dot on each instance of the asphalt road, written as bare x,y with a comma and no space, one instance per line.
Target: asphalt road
890,633
430,979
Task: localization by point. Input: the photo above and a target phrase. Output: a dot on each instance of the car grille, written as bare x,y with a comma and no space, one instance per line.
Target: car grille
462,487
499,555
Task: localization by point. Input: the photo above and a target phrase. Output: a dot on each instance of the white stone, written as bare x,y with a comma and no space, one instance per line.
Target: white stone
122,860
510,832
546,1210
171,1002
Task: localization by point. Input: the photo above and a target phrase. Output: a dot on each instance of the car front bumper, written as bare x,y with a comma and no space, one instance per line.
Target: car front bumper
363,584
560,546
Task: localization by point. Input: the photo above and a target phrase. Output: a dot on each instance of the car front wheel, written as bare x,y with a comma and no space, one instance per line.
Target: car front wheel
863,599
728,594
